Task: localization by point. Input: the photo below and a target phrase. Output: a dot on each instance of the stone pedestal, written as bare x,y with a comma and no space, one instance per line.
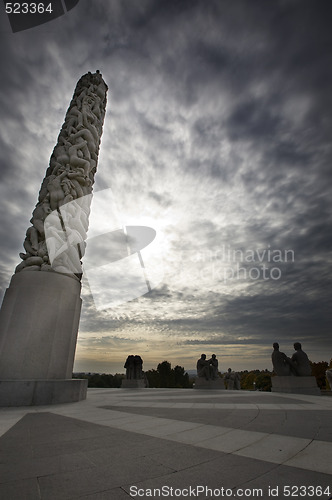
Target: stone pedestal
133,384
41,392
201,383
39,322
295,385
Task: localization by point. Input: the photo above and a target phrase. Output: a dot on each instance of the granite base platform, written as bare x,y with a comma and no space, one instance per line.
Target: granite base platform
133,384
42,392
201,383
295,385
39,321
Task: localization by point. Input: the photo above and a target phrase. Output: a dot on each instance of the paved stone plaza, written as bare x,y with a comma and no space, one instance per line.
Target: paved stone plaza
121,444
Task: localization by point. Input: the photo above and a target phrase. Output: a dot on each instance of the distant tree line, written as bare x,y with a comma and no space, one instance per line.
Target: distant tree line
163,376
166,376
256,380
101,379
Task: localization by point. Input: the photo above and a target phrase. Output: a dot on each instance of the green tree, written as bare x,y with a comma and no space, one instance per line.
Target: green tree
248,380
256,379
153,378
101,380
318,371
263,381
166,376
181,379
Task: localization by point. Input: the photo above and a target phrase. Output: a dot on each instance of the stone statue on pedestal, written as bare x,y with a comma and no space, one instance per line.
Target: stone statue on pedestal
130,367
135,377
299,362
213,367
232,380
293,374
281,363
134,367
138,363
298,365
207,374
207,369
203,367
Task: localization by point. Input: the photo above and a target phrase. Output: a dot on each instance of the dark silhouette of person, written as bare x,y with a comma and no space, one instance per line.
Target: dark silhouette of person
138,367
281,363
203,367
130,367
213,362
300,362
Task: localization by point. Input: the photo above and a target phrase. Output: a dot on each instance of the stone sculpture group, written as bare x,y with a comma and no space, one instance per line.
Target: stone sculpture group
208,375
134,367
207,369
298,365
293,374
135,376
56,239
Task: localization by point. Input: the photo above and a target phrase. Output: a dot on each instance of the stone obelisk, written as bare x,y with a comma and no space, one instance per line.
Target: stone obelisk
40,313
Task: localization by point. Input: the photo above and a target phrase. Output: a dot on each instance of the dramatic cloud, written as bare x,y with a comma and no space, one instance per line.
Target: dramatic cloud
218,137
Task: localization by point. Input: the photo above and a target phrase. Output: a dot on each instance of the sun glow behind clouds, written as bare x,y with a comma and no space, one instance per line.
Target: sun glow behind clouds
122,262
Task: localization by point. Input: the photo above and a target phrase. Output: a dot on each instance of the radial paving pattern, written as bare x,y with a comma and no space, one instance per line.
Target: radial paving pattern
122,444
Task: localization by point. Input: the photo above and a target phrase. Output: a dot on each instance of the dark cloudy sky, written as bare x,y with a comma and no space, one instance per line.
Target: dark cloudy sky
218,136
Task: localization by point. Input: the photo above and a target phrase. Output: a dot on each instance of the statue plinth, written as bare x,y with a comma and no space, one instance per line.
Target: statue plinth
39,322
41,392
202,383
295,385
133,384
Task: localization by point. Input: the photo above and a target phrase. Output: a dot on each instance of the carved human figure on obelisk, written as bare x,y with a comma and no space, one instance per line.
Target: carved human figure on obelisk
69,177
41,309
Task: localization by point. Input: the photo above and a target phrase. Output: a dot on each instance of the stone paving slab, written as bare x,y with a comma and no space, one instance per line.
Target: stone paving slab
292,423
118,440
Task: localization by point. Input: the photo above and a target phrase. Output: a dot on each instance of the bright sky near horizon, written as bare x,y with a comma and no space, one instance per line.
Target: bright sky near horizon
218,137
